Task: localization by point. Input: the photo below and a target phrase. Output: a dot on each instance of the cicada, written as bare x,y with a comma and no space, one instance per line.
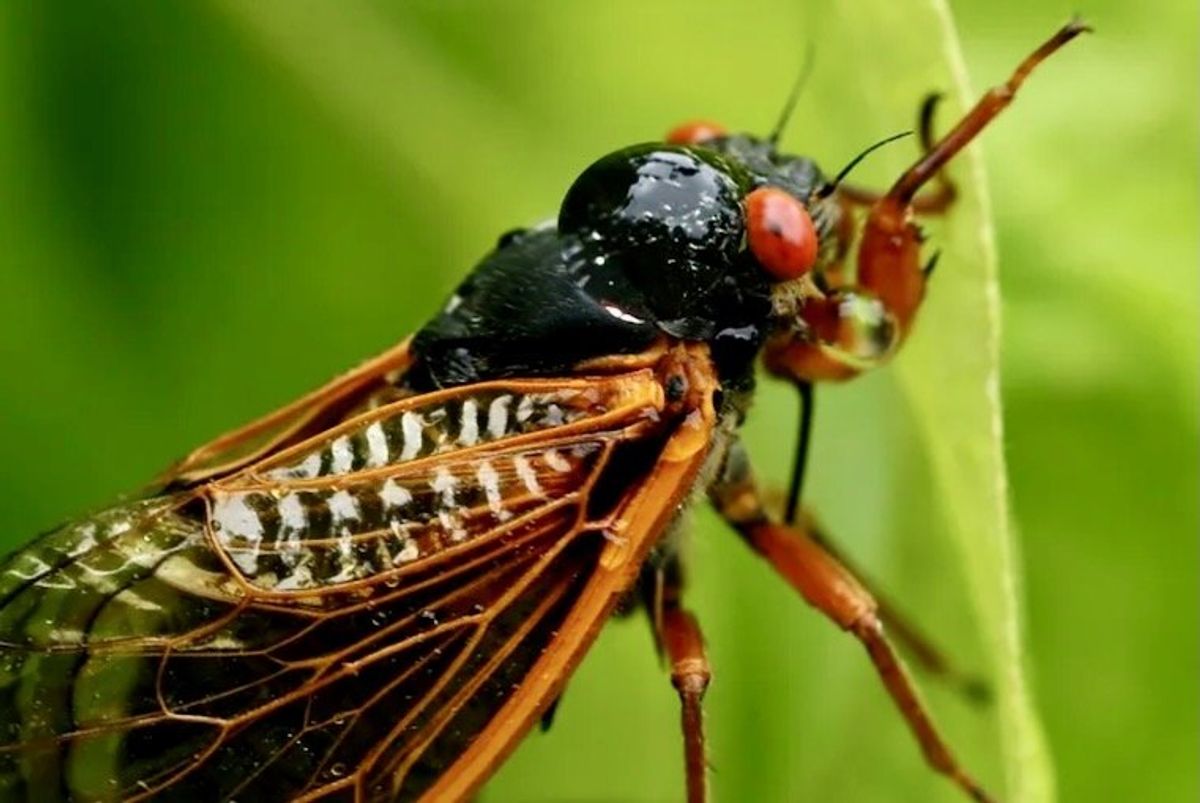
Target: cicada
373,593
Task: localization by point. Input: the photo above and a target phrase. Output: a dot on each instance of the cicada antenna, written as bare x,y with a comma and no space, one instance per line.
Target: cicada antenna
827,189
789,106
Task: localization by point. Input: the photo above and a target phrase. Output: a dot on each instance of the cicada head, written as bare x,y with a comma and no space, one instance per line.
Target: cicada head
718,240
799,230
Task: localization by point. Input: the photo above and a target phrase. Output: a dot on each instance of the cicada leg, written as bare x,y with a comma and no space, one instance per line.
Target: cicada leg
678,637
827,585
690,674
910,638
858,326
908,635
890,270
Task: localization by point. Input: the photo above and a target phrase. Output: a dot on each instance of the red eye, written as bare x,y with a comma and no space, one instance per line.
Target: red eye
781,233
695,132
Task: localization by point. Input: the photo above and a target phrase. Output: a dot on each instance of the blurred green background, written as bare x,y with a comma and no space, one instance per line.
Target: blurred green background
208,208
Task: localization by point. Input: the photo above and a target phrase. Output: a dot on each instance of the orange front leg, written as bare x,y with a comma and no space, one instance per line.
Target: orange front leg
856,327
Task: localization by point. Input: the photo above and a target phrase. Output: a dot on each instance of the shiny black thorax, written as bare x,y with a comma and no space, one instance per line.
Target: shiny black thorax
649,240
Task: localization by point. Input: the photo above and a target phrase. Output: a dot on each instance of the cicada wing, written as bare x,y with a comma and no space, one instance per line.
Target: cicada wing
290,424
83,613
378,612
